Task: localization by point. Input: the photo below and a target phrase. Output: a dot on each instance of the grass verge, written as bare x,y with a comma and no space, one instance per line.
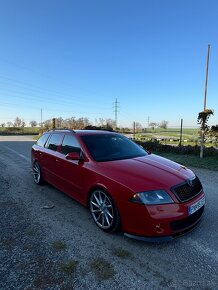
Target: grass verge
208,162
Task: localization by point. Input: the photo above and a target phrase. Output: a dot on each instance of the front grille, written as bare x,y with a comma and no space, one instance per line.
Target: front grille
188,189
180,225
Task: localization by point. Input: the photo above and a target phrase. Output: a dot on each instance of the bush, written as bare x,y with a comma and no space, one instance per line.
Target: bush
156,146
19,131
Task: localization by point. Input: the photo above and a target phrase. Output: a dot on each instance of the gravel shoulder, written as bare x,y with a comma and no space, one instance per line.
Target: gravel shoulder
61,248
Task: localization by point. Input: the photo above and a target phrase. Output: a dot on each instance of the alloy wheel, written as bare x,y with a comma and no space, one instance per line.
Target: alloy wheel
36,173
102,209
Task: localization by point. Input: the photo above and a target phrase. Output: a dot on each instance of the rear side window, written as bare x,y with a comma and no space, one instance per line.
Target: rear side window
41,141
70,144
54,142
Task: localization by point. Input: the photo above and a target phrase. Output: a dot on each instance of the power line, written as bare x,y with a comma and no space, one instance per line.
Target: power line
38,89
28,97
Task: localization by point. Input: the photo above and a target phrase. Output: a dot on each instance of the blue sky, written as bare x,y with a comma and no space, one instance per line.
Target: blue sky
75,57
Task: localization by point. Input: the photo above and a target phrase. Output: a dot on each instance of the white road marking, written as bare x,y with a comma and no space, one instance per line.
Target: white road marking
19,154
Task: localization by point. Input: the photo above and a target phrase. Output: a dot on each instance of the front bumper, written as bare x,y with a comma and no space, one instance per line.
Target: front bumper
183,230
159,223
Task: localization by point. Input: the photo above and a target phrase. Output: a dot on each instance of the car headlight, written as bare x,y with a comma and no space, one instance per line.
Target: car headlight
152,197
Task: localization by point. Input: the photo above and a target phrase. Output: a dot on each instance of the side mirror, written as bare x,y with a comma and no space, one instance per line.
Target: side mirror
73,156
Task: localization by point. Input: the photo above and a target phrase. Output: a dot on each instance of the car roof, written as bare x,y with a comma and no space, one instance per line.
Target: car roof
81,132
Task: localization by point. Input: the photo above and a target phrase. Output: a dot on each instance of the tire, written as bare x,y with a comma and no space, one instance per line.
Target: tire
103,211
37,174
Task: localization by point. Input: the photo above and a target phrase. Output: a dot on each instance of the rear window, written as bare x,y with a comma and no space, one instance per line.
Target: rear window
41,141
54,142
70,144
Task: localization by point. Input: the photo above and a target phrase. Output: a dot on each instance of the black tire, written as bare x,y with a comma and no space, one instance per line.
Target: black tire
37,174
104,211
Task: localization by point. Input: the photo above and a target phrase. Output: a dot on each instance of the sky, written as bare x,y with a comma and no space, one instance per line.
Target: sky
73,58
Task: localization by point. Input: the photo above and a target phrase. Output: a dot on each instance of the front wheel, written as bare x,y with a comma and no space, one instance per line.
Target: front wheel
37,173
103,211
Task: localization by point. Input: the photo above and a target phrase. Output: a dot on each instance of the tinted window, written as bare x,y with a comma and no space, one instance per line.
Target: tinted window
108,147
42,140
54,141
70,144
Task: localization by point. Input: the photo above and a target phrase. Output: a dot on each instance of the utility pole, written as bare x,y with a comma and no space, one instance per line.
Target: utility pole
53,123
148,121
134,130
41,118
207,67
205,102
180,139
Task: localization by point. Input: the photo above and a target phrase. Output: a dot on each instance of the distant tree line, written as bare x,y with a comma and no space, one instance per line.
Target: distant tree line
163,125
84,123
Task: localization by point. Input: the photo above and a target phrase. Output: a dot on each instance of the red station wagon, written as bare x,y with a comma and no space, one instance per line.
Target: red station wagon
149,197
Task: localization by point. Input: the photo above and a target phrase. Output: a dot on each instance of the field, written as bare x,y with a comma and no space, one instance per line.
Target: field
208,162
171,136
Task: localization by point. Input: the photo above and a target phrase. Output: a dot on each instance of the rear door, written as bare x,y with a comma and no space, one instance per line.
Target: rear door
72,172
51,159
38,150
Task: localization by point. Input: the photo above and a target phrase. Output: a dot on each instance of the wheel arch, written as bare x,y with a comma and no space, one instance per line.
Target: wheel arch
105,189
93,188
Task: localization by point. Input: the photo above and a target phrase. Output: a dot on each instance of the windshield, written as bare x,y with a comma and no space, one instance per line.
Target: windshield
109,147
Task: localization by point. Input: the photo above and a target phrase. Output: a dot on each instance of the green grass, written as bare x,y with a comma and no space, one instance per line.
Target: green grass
59,245
102,269
121,253
209,162
189,131
69,267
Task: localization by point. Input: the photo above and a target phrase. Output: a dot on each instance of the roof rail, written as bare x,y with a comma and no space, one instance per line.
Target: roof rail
67,130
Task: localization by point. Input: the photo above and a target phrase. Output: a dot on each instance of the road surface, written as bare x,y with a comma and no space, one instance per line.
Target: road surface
49,241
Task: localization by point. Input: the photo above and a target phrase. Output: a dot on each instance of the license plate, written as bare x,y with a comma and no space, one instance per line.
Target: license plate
196,206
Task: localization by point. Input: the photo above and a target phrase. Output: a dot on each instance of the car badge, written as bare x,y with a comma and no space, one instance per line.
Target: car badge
190,182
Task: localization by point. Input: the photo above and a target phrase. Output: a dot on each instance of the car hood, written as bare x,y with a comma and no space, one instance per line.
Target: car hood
145,173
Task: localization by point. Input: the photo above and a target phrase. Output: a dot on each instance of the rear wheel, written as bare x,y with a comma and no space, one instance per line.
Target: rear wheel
37,173
103,211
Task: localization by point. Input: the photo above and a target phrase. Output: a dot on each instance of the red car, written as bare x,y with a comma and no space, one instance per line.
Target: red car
147,196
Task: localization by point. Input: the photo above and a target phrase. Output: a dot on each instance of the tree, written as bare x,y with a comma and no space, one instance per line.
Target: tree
214,130
23,124
33,123
9,124
47,124
107,124
110,123
203,118
163,124
153,125
18,123
60,122
138,127
2,125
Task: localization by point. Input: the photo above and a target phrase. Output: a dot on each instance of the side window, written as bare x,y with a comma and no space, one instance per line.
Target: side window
41,141
54,142
70,144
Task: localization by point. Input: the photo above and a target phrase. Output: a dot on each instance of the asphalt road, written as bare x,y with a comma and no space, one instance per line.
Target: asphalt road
61,247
